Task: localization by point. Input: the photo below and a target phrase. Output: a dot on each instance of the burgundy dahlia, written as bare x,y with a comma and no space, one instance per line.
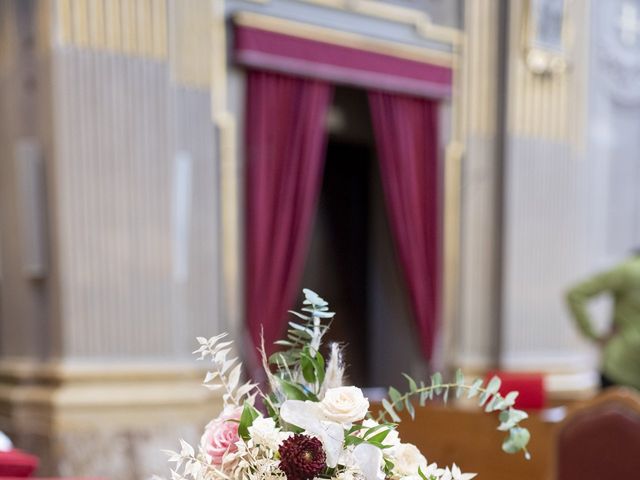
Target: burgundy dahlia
302,457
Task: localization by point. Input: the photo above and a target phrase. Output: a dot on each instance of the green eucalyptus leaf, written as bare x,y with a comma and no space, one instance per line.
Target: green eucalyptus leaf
494,384
410,408
510,398
389,408
436,381
517,440
459,382
412,383
300,315
423,395
394,395
475,387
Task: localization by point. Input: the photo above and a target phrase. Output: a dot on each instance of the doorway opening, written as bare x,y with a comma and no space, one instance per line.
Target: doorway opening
352,262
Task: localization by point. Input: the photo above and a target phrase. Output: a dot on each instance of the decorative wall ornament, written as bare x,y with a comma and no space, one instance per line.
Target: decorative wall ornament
618,52
545,36
412,15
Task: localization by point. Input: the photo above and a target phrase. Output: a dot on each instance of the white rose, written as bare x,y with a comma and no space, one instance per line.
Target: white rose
407,459
263,431
391,440
344,405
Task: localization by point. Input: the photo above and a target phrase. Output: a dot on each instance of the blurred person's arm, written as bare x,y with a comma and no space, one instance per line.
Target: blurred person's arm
579,295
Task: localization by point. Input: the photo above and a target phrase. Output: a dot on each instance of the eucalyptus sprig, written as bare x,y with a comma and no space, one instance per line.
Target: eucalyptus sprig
300,368
489,398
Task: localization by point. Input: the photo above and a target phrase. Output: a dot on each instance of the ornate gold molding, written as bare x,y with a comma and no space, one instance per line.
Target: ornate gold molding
131,27
346,39
548,107
191,47
419,19
226,126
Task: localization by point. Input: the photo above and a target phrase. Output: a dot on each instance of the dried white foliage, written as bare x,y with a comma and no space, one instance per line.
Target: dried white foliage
225,372
335,370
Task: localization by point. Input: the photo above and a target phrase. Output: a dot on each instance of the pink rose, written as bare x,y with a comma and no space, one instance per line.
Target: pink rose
221,435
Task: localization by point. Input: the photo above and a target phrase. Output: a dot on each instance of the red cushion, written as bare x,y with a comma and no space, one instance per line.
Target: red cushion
530,385
17,464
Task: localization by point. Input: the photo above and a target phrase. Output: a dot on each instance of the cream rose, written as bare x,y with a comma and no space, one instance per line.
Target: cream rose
407,459
264,432
344,405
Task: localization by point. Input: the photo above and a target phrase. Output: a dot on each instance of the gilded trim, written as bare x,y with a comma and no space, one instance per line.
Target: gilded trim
419,19
226,125
347,39
130,27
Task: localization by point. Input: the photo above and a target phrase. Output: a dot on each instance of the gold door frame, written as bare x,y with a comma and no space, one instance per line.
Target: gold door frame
226,125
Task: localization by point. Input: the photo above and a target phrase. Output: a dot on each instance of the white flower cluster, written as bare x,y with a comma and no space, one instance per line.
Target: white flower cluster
224,455
315,427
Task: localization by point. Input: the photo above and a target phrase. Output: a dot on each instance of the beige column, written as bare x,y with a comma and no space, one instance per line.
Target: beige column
96,375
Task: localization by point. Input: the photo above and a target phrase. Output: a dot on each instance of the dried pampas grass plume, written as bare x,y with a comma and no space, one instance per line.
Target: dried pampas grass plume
335,369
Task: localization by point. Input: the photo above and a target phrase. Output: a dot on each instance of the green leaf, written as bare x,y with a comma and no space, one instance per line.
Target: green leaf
378,437
300,315
353,440
510,418
517,440
319,367
249,414
473,391
389,408
423,395
394,395
484,396
410,409
459,382
436,381
491,404
412,383
308,370
510,399
446,395
494,385
292,391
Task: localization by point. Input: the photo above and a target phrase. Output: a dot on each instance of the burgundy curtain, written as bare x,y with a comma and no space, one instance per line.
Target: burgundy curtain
285,141
406,131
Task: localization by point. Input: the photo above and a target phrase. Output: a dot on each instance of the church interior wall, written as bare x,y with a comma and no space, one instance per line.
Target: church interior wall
545,206
109,308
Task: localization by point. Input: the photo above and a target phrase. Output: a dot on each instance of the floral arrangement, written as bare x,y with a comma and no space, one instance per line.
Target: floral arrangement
309,425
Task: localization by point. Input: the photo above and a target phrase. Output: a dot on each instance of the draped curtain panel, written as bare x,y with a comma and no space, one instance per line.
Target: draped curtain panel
406,134
286,141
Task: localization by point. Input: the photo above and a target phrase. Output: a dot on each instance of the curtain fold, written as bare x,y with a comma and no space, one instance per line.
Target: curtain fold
406,134
286,138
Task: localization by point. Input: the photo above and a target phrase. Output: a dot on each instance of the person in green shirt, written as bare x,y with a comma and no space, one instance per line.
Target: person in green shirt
621,343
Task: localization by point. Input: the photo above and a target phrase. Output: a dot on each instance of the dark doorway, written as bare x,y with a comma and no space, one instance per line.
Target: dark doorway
340,240
351,260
